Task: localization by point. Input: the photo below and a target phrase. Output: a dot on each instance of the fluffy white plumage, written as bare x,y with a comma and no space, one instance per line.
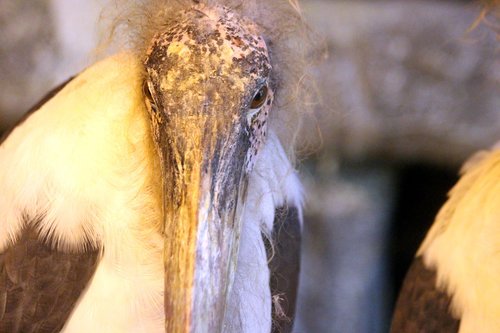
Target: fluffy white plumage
90,179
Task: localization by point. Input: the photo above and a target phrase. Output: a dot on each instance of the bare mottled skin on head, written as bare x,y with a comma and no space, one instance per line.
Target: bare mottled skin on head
292,46
207,43
257,121
211,60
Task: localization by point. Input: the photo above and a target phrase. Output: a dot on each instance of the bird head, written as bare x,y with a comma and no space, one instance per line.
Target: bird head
209,92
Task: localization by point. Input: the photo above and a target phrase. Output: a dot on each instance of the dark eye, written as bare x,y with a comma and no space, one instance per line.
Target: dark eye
259,98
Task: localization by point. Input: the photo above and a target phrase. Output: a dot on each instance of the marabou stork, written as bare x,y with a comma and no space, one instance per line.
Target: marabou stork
453,284
150,193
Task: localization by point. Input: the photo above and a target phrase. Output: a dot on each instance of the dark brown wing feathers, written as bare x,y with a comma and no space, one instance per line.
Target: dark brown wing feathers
284,264
421,306
39,286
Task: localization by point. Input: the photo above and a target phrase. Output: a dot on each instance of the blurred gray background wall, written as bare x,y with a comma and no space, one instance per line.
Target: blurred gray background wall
407,95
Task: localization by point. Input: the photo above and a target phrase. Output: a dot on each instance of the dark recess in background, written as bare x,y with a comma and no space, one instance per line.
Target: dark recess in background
422,191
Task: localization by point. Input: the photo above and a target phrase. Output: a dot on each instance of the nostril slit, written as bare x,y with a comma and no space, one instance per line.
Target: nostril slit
146,91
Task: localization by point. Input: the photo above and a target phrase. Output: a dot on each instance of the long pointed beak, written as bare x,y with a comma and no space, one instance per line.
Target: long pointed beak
202,73
204,185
